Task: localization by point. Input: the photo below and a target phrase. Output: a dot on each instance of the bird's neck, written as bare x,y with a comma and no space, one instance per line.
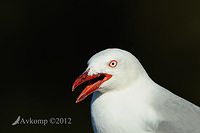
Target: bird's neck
140,87
111,107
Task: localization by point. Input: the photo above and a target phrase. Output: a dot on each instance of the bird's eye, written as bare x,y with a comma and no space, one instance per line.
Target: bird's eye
113,63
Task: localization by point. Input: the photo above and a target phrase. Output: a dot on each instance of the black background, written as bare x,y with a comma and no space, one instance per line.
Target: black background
45,45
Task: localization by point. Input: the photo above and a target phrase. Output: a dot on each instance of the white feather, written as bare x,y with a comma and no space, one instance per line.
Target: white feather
130,102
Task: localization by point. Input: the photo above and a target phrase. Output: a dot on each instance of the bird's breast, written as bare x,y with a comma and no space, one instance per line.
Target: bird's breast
118,112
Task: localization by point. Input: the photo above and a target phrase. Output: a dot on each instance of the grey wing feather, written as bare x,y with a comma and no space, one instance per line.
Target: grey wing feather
17,121
177,114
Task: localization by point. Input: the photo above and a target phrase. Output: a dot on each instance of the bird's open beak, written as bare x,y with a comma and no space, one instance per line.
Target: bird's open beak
95,82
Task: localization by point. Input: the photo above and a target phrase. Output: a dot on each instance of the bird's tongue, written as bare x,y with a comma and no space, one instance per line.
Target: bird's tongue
92,86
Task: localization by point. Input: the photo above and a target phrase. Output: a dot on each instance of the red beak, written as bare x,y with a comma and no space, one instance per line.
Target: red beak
96,81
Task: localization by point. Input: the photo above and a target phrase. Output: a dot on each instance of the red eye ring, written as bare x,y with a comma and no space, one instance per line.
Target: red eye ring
113,63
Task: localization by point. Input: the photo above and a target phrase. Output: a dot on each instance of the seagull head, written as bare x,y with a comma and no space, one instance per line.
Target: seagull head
109,70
